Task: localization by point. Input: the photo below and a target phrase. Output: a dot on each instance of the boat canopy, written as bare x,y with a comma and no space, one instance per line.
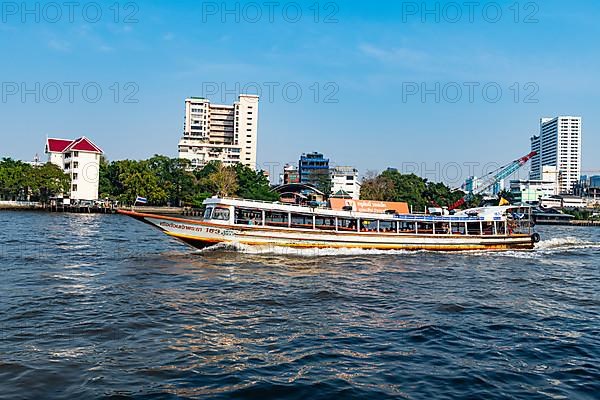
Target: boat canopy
497,213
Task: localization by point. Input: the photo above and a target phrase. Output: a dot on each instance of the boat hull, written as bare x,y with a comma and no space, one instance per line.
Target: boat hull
200,234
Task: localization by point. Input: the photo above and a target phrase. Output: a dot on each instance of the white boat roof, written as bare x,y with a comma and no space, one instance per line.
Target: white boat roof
497,213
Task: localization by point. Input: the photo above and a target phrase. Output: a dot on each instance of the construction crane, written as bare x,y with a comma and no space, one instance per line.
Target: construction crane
495,177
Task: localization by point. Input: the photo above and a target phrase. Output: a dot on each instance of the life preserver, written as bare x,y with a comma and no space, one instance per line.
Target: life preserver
536,237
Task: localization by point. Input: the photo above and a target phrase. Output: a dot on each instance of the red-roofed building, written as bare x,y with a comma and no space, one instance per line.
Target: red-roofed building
80,158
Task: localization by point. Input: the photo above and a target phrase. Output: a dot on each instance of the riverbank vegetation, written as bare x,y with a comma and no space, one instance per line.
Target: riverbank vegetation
170,181
20,181
391,185
582,214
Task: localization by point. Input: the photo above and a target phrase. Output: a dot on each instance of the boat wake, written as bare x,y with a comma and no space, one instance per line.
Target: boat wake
545,247
299,252
566,243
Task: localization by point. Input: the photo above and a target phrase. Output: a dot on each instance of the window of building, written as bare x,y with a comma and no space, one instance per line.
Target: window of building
75,175
75,154
75,164
74,188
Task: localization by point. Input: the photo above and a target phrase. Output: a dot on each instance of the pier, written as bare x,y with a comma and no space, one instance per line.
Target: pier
585,223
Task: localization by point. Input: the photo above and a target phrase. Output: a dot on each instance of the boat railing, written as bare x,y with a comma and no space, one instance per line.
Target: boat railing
278,203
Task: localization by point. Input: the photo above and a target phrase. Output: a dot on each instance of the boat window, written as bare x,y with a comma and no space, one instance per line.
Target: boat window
425,227
368,225
247,216
458,228
208,212
221,214
488,228
442,228
325,222
501,227
347,224
473,228
276,218
302,221
387,226
407,227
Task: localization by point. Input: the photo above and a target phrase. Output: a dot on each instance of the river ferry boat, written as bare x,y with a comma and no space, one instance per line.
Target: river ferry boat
238,221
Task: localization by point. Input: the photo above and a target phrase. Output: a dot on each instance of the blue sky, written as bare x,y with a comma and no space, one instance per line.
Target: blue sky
361,66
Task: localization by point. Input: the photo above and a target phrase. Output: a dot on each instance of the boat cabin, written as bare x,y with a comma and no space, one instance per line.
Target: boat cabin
498,221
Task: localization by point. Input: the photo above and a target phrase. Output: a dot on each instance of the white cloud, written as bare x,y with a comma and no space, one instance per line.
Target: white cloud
59,45
402,56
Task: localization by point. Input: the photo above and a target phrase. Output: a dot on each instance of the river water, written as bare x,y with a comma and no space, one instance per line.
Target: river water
96,306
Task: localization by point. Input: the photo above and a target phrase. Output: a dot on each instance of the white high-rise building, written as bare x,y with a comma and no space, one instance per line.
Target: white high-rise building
226,133
80,159
558,145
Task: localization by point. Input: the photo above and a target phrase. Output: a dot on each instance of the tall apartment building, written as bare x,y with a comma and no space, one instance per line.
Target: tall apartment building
558,145
345,180
80,159
313,168
214,132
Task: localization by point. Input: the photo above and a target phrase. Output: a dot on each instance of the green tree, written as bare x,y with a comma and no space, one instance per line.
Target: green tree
223,181
175,177
377,188
21,181
50,181
253,185
391,185
408,188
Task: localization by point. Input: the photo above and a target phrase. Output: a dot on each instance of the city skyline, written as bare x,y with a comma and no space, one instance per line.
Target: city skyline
379,87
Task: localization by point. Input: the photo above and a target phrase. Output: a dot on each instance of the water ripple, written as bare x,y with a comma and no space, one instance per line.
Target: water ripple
102,306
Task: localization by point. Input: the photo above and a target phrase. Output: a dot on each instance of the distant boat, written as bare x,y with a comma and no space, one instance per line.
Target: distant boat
256,223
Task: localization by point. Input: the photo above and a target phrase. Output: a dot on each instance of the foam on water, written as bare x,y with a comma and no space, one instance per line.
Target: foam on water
566,243
300,252
544,247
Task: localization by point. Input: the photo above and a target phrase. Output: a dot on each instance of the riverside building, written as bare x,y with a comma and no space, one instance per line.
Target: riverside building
558,145
80,159
345,180
534,190
313,169
215,132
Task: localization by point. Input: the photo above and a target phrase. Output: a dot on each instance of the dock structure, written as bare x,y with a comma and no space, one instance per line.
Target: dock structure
20,205
585,223
79,209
